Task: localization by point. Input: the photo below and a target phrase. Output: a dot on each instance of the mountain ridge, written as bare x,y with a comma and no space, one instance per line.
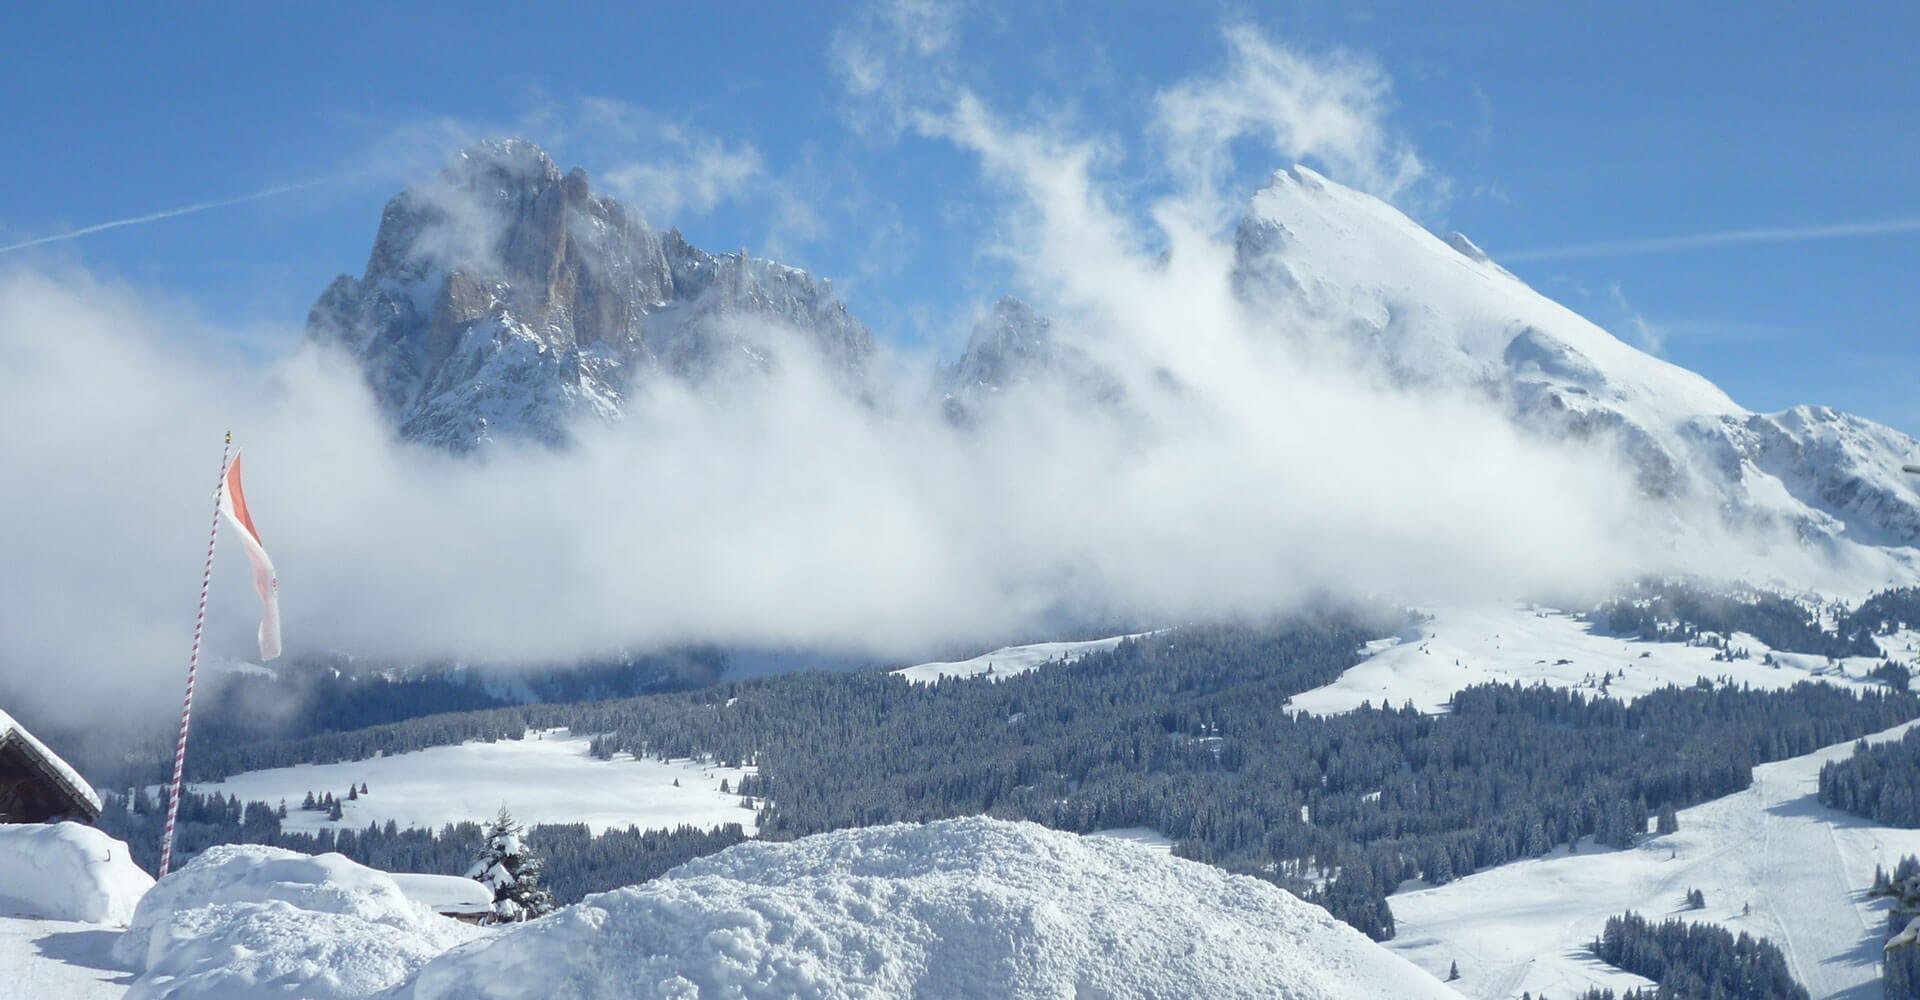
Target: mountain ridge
507,300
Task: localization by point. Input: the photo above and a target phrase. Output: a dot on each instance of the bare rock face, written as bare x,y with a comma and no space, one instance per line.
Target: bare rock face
507,300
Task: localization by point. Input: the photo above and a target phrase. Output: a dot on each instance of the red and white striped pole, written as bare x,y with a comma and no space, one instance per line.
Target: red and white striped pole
193,665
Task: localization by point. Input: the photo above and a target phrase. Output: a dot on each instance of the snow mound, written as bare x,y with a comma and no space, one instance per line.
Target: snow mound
67,871
961,908
247,920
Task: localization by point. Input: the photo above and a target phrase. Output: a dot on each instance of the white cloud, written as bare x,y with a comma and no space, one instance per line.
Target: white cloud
690,177
163,214
1653,338
1733,237
1327,109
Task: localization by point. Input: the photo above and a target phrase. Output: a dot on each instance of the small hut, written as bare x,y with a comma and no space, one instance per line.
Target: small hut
36,786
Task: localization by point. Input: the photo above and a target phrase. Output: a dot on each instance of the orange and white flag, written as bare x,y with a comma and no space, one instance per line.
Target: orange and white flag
233,504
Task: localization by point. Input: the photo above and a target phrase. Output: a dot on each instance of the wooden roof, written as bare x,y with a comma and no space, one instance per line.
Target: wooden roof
63,791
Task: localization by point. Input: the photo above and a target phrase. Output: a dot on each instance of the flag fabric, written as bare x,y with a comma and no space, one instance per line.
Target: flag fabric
233,505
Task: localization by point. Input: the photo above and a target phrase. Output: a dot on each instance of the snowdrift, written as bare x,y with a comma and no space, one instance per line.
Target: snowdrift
67,871
962,908
251,921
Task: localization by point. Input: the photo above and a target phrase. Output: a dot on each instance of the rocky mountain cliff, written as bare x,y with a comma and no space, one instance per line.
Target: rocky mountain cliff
507,300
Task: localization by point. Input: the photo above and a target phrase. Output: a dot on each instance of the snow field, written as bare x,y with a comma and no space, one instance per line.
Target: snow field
1461,647
545,778
58,960
1803,869
1010,660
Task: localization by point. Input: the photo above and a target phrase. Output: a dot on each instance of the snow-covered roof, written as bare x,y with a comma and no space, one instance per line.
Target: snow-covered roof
448,894
58,771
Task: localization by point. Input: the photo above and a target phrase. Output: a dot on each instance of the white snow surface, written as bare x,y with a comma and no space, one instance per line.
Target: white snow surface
58,960
1810,490
1143,836
445,893
1010,660
243,921
545,778
1804,869
68,871
955,909
1463,646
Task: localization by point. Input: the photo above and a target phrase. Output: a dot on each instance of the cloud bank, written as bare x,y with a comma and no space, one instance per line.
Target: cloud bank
1238,472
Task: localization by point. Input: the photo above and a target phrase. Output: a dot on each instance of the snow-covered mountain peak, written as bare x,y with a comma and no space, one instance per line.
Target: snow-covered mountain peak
507,299
1434,312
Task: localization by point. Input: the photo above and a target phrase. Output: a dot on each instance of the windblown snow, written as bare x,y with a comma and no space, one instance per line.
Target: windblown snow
544,778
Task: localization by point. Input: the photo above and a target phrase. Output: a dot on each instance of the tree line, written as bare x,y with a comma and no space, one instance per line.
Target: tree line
578,861
1191,732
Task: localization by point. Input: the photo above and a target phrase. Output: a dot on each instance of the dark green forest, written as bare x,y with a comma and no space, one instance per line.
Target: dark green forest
1188,732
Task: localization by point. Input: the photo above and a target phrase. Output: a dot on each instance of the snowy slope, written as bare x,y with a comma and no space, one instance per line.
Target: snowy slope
1010,660
1459,647
1801,866
544,778
956,909
1315,255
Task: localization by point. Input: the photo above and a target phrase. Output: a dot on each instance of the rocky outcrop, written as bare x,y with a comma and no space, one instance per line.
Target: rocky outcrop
508,300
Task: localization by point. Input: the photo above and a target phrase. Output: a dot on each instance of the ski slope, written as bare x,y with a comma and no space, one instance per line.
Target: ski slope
545,778
1460,647
1010,660
1802,867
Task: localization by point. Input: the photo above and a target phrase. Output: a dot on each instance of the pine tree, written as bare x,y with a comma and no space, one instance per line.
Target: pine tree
333,809
1453,973
509,867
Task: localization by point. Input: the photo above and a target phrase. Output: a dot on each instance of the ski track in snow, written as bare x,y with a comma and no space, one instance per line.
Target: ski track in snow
544,778
1803,867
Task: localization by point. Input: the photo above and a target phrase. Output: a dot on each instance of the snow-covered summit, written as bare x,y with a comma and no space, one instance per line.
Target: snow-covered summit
960,908
1431,312
507,299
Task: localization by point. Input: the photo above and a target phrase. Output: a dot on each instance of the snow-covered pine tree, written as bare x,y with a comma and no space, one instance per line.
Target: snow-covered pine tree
509,867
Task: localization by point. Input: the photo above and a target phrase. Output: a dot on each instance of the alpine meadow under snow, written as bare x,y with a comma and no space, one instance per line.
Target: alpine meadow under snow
1355,615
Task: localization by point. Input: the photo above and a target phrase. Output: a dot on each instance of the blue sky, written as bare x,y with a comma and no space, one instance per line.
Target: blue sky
1584,146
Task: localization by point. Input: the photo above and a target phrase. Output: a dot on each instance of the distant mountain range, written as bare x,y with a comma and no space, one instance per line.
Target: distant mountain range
506,300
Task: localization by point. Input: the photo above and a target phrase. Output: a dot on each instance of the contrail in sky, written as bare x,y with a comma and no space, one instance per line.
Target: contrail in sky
1669,244
165,214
